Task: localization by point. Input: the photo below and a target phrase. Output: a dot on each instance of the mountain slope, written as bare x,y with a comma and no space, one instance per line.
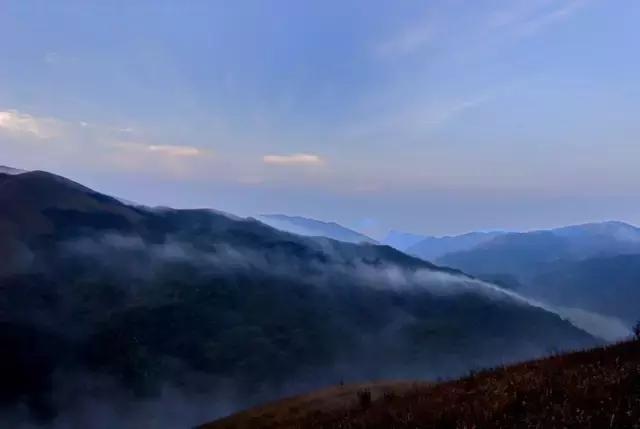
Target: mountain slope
522,254
607,285
314,228
123,303
587,390
402,240
589,266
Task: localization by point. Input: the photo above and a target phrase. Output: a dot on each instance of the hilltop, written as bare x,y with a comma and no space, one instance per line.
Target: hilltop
597,388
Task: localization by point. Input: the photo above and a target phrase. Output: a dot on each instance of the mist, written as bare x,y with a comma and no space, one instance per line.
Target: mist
349,299
228,258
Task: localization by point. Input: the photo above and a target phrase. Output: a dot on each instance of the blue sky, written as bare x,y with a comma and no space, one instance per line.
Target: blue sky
434,117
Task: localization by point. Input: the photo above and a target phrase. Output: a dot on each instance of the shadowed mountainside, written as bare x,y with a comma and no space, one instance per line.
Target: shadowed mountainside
593,266
523,254
110,306
607,285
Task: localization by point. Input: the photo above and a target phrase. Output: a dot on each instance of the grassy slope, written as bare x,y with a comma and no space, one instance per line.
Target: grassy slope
597,388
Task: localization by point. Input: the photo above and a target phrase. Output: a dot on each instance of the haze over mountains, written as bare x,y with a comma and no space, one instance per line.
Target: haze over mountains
590,266
315,228
167,317
402,240
432,248
593,267
521,253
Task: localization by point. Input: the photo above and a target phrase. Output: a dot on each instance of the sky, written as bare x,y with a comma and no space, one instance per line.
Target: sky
433,117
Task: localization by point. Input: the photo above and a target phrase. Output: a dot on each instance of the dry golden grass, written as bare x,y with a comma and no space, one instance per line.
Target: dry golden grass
339,399
592,389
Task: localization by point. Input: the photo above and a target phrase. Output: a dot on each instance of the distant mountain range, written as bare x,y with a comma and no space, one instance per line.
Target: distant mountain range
432,248
314,228
590,266
606,285
402,240
593,267
567,267
104,305
522,253
422,246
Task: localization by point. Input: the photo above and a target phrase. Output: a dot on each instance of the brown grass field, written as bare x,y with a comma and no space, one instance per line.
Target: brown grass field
592,389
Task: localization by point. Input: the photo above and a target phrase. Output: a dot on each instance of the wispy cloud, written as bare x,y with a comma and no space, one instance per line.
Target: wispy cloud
512,20
80,143
173,150
51,57
24,125
294,159
21,125
177,161
455,38
554,15
431,117
409,40
529,18
416,118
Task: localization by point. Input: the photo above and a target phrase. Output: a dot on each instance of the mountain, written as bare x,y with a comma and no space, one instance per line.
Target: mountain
558,392
402,240
591,266
114,315
522,254
314,228
597,233
606,285
432,248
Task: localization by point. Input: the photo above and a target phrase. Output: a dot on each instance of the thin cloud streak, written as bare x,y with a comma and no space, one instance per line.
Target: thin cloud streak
82,144
20,124
414,120
407,42
528,21
301,159
516,20
172,150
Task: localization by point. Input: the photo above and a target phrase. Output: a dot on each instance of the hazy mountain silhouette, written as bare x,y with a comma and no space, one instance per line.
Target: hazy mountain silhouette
590,266
523,254
607,285
432,248
314,228
107,303
402,240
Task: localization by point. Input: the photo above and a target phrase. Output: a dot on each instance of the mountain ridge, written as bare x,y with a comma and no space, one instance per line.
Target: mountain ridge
312,227
160,298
